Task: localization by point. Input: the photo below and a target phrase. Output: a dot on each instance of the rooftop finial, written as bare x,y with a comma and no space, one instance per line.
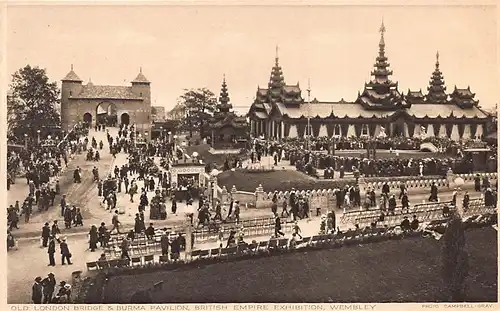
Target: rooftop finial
140,69
437,59
224,77
277,49
382,27
382,32
71,66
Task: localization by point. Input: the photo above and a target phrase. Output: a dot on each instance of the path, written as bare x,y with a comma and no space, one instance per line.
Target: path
31,254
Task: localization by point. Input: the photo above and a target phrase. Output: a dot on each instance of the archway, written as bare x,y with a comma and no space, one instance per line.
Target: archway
125,119
87,118
106,113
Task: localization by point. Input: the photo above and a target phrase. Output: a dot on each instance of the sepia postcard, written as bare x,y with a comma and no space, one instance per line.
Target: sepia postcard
250,156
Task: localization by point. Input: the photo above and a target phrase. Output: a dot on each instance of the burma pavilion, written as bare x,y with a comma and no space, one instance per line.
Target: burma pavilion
381,109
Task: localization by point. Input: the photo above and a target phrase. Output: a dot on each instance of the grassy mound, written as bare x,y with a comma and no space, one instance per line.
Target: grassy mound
405,270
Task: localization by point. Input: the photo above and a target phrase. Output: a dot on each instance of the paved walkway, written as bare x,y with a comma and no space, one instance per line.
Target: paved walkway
30,254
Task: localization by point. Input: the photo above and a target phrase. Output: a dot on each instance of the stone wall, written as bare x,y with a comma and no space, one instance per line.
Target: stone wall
325,199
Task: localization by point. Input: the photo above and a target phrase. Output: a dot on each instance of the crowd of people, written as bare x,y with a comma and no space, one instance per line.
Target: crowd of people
141,177
444,144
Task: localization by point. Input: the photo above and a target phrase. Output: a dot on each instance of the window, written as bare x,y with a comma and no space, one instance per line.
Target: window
336,130
364,130
70,93
140,94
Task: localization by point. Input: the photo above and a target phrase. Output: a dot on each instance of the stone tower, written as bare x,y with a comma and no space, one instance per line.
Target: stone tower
142,87
71,86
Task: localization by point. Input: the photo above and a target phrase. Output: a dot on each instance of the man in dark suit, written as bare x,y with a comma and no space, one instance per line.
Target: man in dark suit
51,251
45,234
37,291
49,285
65,253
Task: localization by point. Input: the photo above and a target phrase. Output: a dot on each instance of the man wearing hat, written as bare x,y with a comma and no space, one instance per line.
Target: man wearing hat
37,291
51,251
65,253
49,284
45,234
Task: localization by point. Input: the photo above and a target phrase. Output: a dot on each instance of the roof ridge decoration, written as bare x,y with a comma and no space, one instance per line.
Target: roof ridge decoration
437,89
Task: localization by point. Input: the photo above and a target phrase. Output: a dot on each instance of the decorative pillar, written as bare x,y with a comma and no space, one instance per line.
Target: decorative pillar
189,240
259,197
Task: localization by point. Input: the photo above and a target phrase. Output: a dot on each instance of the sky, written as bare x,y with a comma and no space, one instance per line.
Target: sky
182,47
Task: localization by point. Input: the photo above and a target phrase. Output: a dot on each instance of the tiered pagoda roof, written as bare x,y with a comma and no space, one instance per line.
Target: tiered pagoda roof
415,97
380,98
278,91
224,106
381,93
224,116
437,89
463,98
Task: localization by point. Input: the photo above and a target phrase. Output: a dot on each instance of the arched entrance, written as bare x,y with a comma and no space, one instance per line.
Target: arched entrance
125,118
106,113
87,118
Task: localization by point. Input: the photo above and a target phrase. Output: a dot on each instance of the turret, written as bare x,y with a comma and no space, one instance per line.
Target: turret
141,87
71,86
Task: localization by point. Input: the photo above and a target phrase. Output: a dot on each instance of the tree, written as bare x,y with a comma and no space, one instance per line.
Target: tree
200,105
455,259
32,102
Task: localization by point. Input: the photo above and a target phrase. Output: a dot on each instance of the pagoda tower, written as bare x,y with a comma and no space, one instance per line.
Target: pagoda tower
224,106
381,82
381,92
437,89
276,81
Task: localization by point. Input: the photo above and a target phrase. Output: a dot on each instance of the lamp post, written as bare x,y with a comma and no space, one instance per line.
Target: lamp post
38,136
25,141
161,133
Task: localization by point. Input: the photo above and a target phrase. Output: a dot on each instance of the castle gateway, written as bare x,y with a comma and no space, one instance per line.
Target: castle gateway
106,104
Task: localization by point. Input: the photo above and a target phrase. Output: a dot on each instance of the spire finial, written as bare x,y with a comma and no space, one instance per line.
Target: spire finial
277,50
382,27
71,66
224,78
382,32
140,69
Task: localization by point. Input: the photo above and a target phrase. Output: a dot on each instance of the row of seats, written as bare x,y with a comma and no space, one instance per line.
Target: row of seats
142,246
234,251
351,216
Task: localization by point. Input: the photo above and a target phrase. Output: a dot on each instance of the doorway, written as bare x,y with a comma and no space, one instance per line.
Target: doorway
125,119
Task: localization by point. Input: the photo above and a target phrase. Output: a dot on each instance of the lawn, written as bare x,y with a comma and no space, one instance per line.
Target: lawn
280,180
405,270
